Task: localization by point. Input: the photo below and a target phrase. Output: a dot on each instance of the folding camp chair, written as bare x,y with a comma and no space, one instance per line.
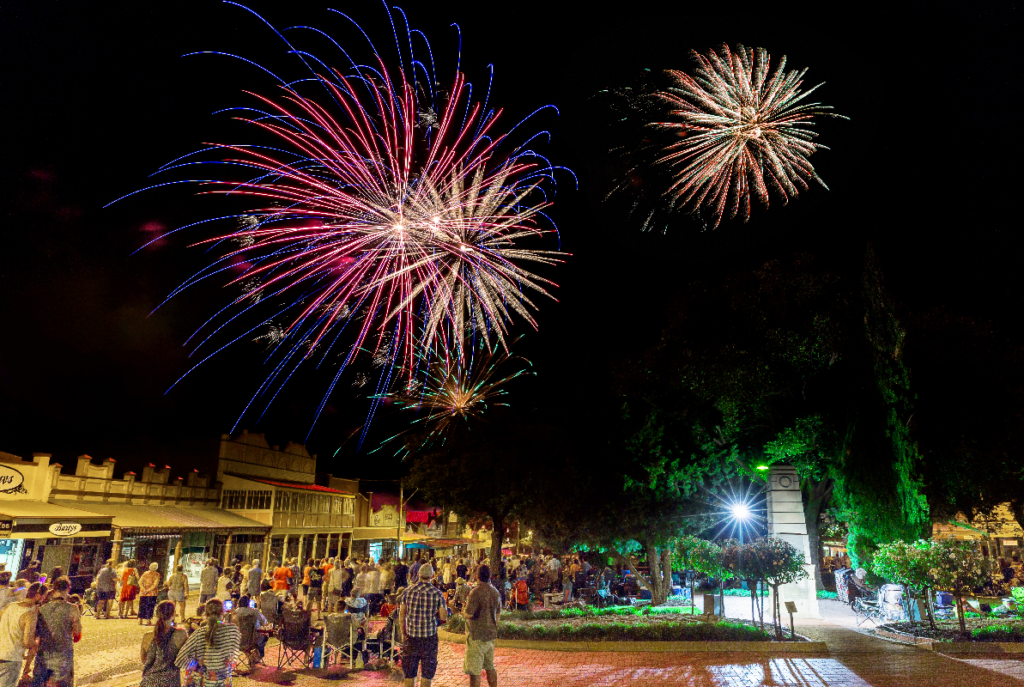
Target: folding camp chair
269,605
339,638
295,637
248,646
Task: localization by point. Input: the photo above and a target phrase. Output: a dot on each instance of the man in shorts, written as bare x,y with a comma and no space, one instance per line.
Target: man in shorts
422,606
106,586
482,610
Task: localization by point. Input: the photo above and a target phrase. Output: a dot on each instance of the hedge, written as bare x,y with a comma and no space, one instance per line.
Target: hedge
659,632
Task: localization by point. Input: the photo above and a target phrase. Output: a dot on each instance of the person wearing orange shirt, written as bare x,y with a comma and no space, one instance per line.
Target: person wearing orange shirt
282,578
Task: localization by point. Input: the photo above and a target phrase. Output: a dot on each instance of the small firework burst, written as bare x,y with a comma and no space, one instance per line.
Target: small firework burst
743,130
454,390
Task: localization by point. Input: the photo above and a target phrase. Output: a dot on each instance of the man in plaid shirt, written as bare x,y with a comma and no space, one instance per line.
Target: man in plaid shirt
422,606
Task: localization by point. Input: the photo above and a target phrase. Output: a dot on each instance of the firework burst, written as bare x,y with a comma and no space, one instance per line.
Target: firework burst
386,209
743,130
456,389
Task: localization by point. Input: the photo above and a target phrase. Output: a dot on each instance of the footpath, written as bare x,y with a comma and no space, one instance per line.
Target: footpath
108,657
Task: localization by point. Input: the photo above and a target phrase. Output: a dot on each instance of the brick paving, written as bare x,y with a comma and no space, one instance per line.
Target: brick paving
108,657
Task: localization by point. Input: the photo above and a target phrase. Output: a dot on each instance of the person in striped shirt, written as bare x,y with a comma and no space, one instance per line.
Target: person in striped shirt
208,654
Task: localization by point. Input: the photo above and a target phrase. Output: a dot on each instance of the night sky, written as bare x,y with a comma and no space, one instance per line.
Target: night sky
97,95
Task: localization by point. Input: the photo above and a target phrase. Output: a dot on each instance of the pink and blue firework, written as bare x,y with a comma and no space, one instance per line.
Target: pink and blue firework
387,219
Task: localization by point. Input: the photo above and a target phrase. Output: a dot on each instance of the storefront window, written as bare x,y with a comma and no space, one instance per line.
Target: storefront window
10,553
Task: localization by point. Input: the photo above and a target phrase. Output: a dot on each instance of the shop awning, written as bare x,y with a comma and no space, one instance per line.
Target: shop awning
25,510
37,520
179,518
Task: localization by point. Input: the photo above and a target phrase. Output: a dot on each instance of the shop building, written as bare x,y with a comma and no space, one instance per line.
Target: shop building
32,528
153,518
307,516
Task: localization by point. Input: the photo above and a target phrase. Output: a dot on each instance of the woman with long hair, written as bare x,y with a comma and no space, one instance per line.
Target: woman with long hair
208,654
160,649
129,590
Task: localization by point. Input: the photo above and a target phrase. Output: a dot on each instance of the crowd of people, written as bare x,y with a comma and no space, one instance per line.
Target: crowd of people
40,620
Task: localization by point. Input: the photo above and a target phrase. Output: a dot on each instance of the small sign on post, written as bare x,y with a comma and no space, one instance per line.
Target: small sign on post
791,607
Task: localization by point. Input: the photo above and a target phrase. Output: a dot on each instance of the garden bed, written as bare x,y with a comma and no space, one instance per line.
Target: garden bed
619,624
978,630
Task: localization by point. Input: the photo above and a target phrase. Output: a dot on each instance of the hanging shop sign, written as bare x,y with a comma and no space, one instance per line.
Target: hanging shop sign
6,527
11,480
65,529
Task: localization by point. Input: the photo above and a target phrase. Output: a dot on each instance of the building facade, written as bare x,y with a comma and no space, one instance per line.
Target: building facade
307,516
32,528
154,518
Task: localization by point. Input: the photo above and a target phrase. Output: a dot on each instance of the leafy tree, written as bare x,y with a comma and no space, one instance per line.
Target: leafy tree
742,562
908,565
959,567
683,555
779,563
707,559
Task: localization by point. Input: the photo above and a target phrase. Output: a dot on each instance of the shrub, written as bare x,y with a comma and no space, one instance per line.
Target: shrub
742,592
825,594
656,632
999,633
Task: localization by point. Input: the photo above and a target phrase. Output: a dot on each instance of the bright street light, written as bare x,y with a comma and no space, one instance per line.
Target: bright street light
740,511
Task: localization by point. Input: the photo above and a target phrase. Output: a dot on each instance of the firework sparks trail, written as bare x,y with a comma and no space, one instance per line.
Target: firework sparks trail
456,388
743,129
387,207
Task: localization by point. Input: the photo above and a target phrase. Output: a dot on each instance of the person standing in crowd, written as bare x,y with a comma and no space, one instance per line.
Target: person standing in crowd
18,636
59,624
206,656
461,570
224,586
208,582
129,590
415,567
31,573
448,573
360,584
252,582
282,578
315,577
401,575
106,585
160,649
237,580
177,590
422,606
482,610
387,579
340,575
149,586
372,591
296,577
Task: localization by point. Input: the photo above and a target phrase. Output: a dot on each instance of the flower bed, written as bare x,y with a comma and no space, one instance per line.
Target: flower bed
616,624
978,630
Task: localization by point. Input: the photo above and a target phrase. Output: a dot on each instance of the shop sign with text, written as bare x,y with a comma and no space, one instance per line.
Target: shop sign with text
65,529
11,480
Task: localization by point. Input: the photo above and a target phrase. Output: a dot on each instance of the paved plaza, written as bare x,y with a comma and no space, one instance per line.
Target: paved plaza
108,656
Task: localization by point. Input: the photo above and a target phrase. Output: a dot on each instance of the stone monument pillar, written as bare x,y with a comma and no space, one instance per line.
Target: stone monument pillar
786,522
